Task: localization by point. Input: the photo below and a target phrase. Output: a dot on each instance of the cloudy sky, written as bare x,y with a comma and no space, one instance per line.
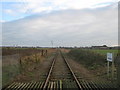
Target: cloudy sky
65,22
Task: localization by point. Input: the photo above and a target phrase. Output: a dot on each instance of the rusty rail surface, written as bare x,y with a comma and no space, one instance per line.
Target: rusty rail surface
72,73
50,71
59,85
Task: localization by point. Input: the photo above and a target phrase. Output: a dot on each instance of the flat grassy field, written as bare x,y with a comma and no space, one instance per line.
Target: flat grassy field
22,63
94,60
104,52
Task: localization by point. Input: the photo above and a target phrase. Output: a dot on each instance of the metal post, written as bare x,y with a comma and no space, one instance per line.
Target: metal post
52,43
108,68
113,67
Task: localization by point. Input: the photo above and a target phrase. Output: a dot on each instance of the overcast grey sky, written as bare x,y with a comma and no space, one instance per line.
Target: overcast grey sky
75,26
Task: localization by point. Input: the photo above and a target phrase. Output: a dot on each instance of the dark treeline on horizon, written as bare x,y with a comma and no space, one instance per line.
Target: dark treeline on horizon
85,47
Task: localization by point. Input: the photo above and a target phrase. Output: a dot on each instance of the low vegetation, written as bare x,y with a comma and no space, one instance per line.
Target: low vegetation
17,61
89,59
20,51
104,52
95,61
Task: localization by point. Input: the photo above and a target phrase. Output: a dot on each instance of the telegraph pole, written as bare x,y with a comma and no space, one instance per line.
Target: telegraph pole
52,43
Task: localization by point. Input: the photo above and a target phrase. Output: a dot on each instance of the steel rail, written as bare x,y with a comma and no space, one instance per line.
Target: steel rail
75,78
44,85
50,71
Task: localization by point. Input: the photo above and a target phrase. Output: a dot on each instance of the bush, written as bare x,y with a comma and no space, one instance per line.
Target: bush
88,58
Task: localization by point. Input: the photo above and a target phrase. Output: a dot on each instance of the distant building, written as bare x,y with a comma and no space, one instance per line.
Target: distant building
100,47
116,47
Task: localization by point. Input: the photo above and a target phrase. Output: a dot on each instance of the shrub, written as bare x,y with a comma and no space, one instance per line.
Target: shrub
88,58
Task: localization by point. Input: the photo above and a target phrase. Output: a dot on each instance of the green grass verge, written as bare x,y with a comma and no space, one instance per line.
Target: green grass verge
89,59
104,52
8,73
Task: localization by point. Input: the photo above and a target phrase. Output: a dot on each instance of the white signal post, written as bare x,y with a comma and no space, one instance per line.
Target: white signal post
110,58
113,67
108,69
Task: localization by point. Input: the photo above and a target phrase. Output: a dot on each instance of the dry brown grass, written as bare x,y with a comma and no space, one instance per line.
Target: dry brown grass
20,51
30,60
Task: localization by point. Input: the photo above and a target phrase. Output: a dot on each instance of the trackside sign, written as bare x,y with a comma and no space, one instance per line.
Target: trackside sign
109,57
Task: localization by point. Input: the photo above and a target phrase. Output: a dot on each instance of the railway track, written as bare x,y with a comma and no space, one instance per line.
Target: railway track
66,71
60,76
